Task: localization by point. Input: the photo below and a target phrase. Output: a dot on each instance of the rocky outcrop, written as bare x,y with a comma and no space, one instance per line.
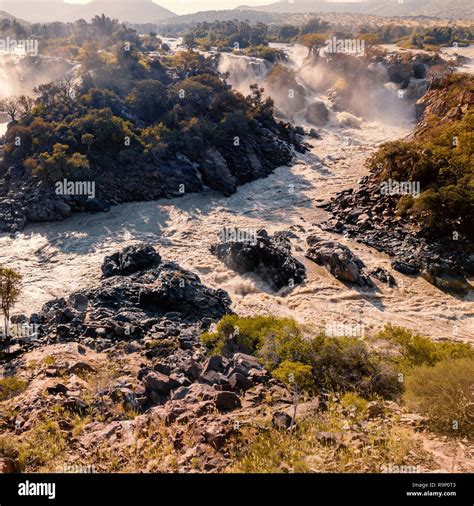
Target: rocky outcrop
370,217
338,259
25,198
143,295
267,256
131,259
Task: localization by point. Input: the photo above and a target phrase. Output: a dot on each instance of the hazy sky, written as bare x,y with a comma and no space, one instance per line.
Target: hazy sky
188,6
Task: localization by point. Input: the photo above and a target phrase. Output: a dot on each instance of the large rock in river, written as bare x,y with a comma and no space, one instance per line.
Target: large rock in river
338,259
267,256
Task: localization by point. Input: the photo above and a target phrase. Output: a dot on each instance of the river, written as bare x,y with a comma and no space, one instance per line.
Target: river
58,258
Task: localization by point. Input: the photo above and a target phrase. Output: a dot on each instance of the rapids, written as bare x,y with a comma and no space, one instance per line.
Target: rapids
58,258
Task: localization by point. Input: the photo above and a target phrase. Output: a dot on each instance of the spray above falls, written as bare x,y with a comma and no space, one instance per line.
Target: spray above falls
343,89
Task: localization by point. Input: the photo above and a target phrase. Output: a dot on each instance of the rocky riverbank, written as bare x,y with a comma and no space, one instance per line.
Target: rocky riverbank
117,378
372,214
25,198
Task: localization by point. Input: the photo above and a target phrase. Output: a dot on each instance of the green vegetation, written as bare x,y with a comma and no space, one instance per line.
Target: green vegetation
441,159
435,378
10,290
227,35
433,38
338,364
444,393
296,375
416,350
132,110
11,386
272,339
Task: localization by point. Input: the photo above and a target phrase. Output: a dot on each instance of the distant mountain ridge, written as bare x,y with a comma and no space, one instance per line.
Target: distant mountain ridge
452,9
44,11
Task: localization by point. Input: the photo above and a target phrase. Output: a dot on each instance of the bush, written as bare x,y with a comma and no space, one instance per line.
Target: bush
346,365
444,393
9,387
338,364
417,350
272,339
296,375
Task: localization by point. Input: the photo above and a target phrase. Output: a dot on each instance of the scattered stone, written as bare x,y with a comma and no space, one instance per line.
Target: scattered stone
281,420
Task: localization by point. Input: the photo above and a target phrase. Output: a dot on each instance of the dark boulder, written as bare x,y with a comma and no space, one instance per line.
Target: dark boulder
405,268
317,114
267,256
383,275
281,420
181,291
338,259
131,259
227,401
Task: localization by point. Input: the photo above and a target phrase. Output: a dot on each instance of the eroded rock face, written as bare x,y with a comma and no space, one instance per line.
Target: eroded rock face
267,256
338,259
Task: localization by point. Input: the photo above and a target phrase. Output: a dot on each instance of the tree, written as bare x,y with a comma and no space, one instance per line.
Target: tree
26,105
60,164
11,106
314,42
189,41
298,379
148,99
287,32
10,289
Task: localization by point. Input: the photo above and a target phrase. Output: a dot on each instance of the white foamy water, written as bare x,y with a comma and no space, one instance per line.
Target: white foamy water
58,258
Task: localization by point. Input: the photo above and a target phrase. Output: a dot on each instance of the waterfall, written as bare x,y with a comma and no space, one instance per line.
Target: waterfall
243,70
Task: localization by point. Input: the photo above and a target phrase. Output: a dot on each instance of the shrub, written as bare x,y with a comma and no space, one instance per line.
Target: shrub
9,387
296,375
272,339
417,350
444,393
338,364
346,365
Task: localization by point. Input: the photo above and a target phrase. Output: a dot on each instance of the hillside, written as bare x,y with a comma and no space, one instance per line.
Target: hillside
455,9
136,11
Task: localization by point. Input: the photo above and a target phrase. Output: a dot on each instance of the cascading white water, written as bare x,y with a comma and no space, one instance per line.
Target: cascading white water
243,70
